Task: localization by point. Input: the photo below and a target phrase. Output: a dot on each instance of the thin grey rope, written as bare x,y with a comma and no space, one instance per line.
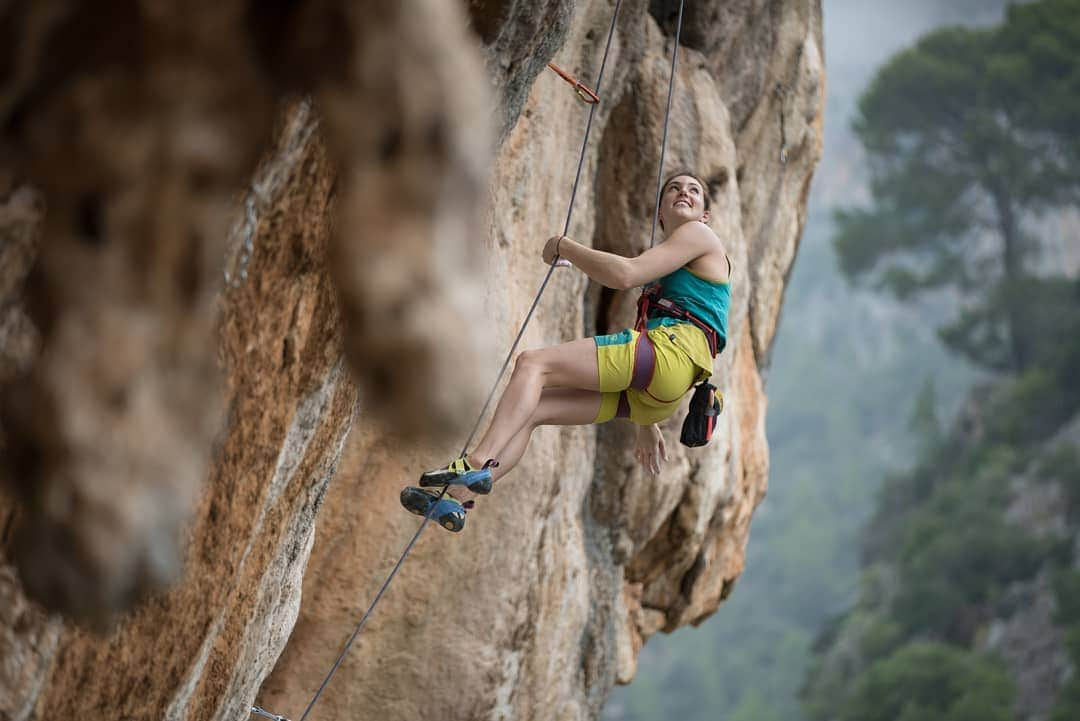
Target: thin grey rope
566,229
506,362
363,620
667,116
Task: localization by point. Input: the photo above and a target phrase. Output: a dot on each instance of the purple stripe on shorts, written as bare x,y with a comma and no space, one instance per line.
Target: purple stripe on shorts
623,410
644,363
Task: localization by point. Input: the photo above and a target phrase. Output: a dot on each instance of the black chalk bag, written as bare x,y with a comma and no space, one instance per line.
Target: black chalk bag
700,422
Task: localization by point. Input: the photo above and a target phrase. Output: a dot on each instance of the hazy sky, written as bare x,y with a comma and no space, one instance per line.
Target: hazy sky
860,35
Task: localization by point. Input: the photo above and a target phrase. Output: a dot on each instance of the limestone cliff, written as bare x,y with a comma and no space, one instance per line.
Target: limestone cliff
334,308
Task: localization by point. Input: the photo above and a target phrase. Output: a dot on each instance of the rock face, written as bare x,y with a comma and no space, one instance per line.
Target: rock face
542,604
346,254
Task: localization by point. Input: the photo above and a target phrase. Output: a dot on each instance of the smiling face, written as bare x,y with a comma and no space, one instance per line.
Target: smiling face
682,200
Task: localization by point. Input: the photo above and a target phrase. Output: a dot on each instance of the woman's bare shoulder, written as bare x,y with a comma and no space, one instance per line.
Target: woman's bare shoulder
699,232
704,234
713,262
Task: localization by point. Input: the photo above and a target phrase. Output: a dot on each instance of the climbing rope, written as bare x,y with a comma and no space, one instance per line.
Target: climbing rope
667,116
256,710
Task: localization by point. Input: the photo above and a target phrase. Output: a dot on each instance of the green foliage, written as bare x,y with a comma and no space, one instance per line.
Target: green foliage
1067,707
950,544
967,131
970,132
1067,592
1045,312
879,637
1062,464
931,682
1035,69
1053,324
754,707
1028,409
955,565
940,531
924,422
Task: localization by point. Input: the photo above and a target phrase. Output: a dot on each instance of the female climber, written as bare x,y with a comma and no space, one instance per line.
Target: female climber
631,374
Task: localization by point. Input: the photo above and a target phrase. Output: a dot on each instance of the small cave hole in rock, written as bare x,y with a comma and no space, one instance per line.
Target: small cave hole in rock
487,18
90,220
603,310
666,13
390,144
286,353
118,398
436,135
717,182
188,272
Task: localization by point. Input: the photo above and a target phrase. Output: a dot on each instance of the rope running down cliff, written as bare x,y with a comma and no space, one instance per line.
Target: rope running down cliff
667,116
521,332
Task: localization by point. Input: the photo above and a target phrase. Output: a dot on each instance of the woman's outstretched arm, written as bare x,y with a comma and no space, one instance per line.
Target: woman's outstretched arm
690,241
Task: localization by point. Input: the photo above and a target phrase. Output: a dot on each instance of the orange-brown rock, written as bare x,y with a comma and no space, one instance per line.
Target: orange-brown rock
139,125
345,252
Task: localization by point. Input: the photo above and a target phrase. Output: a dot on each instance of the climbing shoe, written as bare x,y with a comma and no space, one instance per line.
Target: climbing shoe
447,511
460,473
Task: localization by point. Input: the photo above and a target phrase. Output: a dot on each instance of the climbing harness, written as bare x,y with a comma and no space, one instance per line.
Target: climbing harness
651,304
707,402
521,332
583,92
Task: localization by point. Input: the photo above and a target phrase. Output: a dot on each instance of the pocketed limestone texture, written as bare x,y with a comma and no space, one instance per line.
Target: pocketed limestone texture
217,372
542,604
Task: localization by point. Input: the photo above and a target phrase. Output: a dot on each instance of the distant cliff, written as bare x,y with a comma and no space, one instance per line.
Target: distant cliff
249,400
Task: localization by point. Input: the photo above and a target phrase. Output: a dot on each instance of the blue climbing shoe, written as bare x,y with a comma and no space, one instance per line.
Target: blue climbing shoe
460,473
447,511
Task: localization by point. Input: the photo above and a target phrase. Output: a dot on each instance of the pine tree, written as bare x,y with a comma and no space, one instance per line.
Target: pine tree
968,134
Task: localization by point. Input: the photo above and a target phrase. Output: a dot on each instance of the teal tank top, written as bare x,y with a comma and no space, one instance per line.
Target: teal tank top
707,300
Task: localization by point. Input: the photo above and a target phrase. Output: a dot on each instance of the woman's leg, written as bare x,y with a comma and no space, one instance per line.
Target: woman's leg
557,407
568,365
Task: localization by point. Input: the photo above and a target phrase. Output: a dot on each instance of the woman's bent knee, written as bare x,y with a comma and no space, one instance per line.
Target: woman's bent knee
529,362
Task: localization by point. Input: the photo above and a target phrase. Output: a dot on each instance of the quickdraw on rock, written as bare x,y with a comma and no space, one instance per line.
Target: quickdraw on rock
583,92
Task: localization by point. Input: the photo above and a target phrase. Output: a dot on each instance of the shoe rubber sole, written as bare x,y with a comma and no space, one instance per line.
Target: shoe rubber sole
448,513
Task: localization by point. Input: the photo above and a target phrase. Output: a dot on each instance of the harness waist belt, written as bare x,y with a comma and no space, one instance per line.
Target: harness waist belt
651,304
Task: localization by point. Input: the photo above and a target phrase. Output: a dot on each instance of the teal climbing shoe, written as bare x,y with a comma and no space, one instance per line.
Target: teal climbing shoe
447,511
460,473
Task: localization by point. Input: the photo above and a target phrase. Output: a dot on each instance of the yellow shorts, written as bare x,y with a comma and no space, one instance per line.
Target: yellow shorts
643,377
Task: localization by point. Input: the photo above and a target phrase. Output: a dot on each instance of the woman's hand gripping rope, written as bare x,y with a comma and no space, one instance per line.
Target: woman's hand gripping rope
649,449
550,254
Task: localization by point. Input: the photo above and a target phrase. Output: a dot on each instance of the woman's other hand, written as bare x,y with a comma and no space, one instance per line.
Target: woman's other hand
650,450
